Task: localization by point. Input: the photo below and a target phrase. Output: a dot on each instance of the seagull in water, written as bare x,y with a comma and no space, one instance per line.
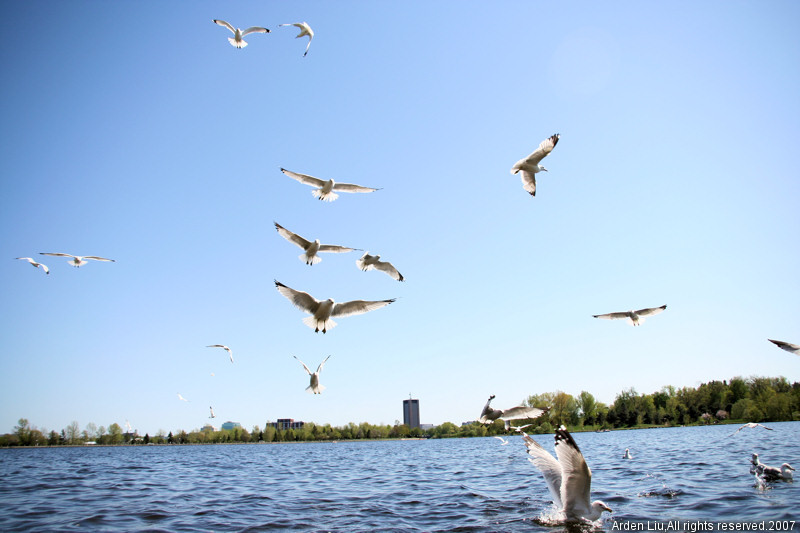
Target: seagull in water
791,348
489,415
568,478
503,442
322,311
627,454
311,249
635,318
314,387
78,260
324,189
238,35
529,167
305,29
35,264
230,353
770,473
181,398
749,425
212,412
368,262
755,464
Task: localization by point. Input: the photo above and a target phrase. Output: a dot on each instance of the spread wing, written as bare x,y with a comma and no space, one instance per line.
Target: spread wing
351,187
789,347
389,269
650,311
56,254
612,316
304,178
294,238
224,25
576,478
357,307
334,248
547,464
545,147
98,258
255,29
522,411
528,182
304,365
319,368
301,300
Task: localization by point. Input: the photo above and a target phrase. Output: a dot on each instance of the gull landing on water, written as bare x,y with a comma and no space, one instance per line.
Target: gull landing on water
489,415
314,387
568,478
311,249
791,348
634,318
230,353
78,260
368,262
529,167
305,29
238,35
35,264
324,189
322,311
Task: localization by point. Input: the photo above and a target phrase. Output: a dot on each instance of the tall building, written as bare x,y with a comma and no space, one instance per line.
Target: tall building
231,425
411,413
286,423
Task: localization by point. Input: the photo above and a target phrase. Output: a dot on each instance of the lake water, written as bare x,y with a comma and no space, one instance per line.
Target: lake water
695,473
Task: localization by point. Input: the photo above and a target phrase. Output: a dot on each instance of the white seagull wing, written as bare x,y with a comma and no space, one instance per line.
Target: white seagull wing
98,258
544,149
650,311
576,478
304,365
224,25
548,465
352,187
357,307
612,316
319,368
789,347
294,238
528,182
304,178
522,411
389,269
301,300
335,248
56,254
254,29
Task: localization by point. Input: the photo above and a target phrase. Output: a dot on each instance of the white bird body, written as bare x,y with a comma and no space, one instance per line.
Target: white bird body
35,264
237,40
322,311
489,415
305,30
627,454
789,347
311,249
314,386
568,478
212,412
368,262
634,318
230,352
324,189
529,166
78,260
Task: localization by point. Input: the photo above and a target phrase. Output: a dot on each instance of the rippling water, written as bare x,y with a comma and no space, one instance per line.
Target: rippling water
696,473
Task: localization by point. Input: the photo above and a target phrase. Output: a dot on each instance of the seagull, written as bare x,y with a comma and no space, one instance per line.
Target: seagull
635,318
322,311
305,29
755,464
503,442
128,426
627,454
791,348
489,415
310,256
78,260
519,429
568,478
230,353
238,35
529,167
181,398
770,473
750,425
324,189
368,262
314,387
35,264
212,412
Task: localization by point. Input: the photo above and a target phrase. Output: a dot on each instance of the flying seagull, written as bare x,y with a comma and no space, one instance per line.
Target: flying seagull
212,412
368,262
489,415
35,264
568,478
322,311
78,260
311,249
314,387
230,353
503,442
749,425
529,167
519,429
324,189
635,318
238,35
791,348
181,398
305,29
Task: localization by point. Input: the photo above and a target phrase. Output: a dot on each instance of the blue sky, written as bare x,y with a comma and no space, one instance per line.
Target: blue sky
135,131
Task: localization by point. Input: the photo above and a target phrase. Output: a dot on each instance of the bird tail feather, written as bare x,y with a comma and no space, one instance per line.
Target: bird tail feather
329,197
314,259
240,44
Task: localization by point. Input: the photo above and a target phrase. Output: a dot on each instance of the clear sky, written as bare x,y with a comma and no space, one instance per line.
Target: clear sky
135,131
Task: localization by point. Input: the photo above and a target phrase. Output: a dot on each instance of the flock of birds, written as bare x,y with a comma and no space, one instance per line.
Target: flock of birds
567,475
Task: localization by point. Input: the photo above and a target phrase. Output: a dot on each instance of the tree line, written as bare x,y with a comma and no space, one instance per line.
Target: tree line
754,399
